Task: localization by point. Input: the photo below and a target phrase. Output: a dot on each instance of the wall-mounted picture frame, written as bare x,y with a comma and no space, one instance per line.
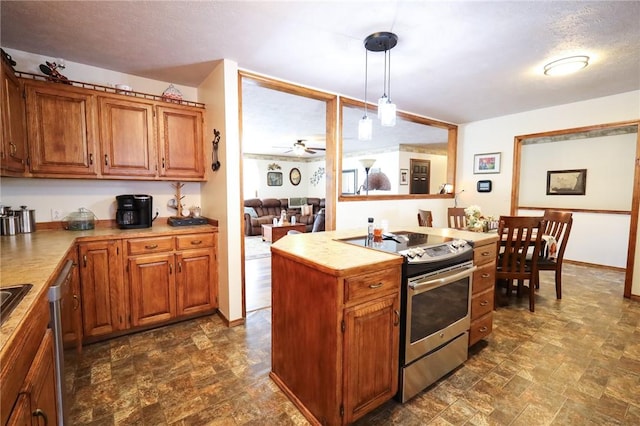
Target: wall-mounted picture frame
404,176
274,178
567,182
349,181
486,163
295,176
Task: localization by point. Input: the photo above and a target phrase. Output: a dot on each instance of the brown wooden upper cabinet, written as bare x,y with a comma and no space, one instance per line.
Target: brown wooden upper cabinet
180,142
127,137
13,153
61,130
75,132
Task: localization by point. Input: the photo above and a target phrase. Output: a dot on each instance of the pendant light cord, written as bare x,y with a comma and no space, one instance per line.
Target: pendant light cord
366,79
384,82
389,80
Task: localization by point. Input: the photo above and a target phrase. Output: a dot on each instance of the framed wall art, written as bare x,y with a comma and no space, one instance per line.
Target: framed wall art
486,163
404,176
567,182
274,178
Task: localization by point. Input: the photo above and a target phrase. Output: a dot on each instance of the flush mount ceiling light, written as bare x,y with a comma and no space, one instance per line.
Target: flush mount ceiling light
566,65
379,42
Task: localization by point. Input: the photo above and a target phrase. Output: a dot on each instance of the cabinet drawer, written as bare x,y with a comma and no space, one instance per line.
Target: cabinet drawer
185,242
370,285
480,328
481,304
484,277
149,245
484,254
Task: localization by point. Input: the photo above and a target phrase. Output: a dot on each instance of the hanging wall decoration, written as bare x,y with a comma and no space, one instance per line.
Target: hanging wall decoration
317,175
215,166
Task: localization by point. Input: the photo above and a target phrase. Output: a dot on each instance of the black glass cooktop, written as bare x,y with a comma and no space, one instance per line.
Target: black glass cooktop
399,241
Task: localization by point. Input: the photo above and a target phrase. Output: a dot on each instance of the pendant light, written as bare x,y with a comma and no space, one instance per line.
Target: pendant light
384,42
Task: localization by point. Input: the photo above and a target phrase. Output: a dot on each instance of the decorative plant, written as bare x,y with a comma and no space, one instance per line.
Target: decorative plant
476,221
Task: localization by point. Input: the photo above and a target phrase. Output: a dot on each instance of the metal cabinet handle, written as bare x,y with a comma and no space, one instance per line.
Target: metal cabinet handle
486,253
397,320
196,242
484,303
106,159
91,159
372,286
39,413
76,302
151,246
170,269
483,329
163,162
84,260
180,267
485,275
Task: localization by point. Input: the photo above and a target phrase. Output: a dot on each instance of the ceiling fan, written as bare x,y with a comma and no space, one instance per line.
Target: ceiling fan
300,148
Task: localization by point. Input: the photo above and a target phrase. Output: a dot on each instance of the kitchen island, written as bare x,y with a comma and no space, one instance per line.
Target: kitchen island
335,321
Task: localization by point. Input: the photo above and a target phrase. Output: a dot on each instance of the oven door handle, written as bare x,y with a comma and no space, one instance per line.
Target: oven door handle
422,286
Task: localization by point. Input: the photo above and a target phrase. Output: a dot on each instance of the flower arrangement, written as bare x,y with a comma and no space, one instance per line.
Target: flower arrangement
476,221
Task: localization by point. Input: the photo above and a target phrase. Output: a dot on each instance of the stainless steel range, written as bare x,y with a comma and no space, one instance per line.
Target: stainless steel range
435,305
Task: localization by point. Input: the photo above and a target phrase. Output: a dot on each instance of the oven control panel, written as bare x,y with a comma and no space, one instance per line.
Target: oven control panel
437,252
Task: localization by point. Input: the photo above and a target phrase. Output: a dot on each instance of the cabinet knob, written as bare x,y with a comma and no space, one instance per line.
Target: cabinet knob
484,303
483,329
485,275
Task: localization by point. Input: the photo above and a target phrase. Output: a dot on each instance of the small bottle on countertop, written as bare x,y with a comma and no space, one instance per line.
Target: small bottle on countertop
370,229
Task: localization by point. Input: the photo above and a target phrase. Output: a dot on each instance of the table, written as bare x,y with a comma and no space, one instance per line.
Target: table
273,233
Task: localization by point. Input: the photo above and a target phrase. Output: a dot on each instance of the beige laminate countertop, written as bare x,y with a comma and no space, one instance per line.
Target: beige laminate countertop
322,249
34,258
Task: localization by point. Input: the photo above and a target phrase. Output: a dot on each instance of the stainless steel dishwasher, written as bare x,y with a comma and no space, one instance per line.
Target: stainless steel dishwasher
57,296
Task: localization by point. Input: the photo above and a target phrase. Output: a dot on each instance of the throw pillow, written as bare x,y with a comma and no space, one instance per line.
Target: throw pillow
251,211
307,210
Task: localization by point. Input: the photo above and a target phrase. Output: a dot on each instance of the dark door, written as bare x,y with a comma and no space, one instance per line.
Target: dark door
420,171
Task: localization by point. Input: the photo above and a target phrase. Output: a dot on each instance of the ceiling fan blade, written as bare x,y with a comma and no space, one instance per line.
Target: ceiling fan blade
286,152
309,151
318,149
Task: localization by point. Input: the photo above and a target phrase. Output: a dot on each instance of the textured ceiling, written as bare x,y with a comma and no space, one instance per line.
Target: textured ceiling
456,61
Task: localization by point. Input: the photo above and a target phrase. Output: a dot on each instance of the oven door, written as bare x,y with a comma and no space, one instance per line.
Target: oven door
438,310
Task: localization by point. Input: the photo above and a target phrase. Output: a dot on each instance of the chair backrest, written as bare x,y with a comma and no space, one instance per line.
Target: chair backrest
558,224
519,237
425,218
457,218
318,223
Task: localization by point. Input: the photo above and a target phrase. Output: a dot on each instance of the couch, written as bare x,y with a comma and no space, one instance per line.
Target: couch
262,211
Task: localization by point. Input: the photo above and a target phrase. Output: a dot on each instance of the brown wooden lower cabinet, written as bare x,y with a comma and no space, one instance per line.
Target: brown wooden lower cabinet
36,403
146,281
103,296
484,257
71,307
335,338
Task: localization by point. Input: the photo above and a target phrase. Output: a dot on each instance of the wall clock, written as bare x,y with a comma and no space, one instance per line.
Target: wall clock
294,176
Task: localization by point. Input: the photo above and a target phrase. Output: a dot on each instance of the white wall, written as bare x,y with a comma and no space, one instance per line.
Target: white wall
590,241
221,194
255,178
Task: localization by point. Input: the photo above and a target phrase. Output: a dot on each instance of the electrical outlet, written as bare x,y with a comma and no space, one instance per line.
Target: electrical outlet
56,215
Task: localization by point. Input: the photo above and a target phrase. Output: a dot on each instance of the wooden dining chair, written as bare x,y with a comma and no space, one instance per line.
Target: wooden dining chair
519,236
425,218
558,225
457,218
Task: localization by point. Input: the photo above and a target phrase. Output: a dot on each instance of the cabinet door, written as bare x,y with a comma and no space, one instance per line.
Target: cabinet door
61,128
40,384
71,310
196,280
153,289
103,297
127,137
21,413
371,354
181,143
14,123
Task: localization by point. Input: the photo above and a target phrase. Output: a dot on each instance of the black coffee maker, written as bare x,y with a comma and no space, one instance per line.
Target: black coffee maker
134,211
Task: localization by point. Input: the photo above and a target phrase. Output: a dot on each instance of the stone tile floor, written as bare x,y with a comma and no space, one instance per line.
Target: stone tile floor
572,362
